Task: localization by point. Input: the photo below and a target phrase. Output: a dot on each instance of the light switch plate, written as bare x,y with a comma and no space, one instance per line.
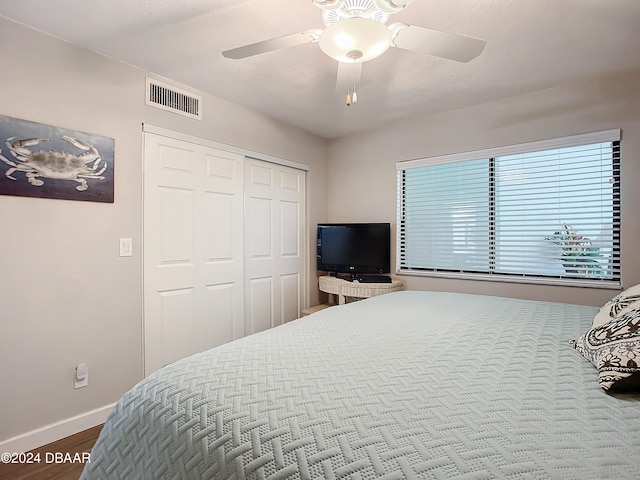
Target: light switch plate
126,247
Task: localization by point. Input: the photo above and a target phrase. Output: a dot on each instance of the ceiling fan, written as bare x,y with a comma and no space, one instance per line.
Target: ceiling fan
356,32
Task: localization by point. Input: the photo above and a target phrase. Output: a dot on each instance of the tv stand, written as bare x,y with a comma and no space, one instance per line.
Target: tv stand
345,289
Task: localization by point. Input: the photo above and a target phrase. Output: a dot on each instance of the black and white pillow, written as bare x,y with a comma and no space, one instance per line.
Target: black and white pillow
621,303
614,349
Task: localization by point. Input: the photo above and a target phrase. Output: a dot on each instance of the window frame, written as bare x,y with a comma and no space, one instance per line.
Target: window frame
612,136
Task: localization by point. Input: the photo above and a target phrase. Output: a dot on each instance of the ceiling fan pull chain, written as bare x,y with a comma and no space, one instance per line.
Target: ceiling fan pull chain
351,99
355,95
348,100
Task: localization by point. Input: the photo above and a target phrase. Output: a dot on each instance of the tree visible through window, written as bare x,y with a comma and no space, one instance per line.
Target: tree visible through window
547,214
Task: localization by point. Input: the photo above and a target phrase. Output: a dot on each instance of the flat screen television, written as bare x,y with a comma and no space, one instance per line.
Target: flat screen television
354,248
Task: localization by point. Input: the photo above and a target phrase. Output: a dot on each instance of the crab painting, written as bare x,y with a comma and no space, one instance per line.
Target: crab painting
38,165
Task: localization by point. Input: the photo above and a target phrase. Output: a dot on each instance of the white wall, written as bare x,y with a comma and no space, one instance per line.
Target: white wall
65,294
362,175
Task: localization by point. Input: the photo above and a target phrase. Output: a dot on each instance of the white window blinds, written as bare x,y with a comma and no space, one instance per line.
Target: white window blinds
545,212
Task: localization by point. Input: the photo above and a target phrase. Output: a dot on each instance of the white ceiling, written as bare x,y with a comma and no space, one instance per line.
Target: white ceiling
531,45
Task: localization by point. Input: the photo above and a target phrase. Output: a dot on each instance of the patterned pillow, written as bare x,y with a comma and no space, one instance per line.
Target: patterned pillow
614,349
621,303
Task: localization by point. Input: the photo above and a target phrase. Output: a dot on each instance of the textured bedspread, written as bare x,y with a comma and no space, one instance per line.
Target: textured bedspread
405,385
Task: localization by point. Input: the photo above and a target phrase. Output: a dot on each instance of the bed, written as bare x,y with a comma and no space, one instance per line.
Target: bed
407,385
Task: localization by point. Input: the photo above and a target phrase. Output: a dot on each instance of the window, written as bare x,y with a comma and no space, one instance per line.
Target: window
543,212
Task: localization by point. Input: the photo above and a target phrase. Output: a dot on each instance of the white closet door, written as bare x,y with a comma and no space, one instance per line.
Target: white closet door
192,249
274,244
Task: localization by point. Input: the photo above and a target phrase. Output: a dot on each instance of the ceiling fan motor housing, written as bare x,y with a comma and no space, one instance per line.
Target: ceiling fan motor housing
337,10
378,10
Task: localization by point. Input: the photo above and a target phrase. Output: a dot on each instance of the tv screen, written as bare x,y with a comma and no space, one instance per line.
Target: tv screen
356,248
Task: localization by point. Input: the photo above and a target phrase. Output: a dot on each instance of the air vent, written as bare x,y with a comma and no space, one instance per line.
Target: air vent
172,99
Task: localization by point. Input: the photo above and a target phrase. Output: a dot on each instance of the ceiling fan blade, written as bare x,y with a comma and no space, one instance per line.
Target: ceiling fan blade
436,43
348,76
277,43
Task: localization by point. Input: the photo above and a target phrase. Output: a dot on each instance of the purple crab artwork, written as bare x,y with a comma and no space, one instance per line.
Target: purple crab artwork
76,166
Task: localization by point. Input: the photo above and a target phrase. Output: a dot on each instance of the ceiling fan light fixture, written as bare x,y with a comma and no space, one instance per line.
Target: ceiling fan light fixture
363,35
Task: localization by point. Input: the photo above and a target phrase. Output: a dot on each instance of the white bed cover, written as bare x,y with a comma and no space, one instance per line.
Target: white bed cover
406,385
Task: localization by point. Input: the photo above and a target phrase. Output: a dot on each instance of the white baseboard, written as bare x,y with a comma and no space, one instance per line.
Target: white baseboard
56,431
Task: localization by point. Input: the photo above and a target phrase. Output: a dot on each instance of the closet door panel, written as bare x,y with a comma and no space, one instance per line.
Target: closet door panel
260,306
192,250
290,287
221,307
274,240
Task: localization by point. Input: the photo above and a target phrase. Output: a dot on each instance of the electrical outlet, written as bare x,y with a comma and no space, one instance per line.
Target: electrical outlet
81,376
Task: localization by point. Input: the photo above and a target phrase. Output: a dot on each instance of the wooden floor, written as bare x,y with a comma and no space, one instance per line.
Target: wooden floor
54,462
